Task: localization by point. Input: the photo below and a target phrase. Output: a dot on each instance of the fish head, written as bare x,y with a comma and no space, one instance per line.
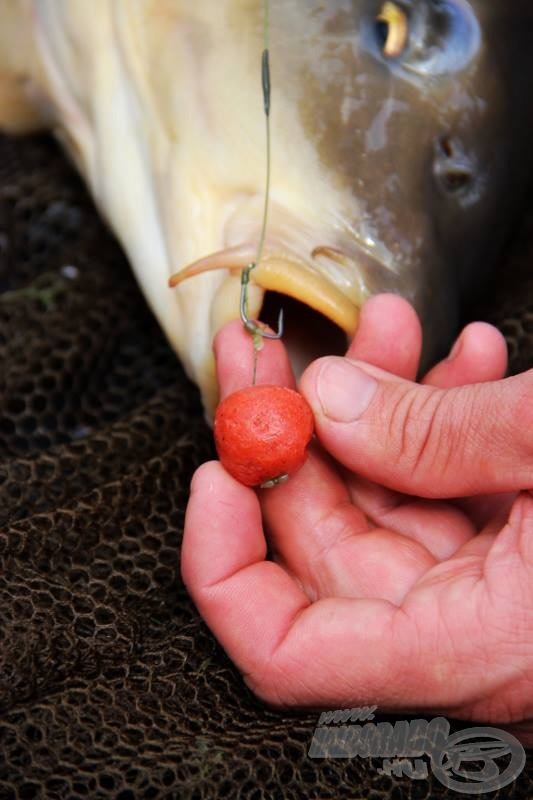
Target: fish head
416,112
398,148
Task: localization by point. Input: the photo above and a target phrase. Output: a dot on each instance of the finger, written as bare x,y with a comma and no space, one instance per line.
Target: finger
512,551
479,355
440,527
389,335
325,541
421,440
234,356
479,545
248,603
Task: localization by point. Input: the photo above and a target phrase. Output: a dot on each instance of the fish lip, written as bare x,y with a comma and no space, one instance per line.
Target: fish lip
282,271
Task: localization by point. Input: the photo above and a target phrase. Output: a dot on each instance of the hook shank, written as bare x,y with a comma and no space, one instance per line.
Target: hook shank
248,323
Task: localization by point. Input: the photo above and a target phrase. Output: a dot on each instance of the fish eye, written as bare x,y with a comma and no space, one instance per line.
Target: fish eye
423,37
392,29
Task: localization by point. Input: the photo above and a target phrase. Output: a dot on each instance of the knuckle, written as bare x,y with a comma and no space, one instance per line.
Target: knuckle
430,449
464,434
427,433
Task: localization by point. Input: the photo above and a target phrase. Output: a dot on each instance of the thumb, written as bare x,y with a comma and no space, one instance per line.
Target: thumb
423,440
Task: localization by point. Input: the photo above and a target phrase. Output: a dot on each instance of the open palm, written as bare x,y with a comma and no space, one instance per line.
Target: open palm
373,596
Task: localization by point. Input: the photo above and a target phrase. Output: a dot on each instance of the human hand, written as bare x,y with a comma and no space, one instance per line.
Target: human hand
376,597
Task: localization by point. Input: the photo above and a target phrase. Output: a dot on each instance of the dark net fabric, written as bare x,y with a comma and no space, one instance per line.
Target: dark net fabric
110,684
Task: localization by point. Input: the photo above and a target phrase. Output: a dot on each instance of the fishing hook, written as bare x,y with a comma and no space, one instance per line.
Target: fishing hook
248,323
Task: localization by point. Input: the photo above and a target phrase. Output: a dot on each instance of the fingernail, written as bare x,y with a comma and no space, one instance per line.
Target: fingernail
344,390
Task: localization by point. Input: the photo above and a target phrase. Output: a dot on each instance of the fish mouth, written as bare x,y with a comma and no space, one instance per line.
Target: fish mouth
314,296
320,317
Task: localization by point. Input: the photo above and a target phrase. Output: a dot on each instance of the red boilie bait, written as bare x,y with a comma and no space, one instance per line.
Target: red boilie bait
262,433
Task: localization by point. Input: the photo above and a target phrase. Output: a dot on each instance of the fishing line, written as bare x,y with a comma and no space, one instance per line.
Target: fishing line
265,83
250,325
